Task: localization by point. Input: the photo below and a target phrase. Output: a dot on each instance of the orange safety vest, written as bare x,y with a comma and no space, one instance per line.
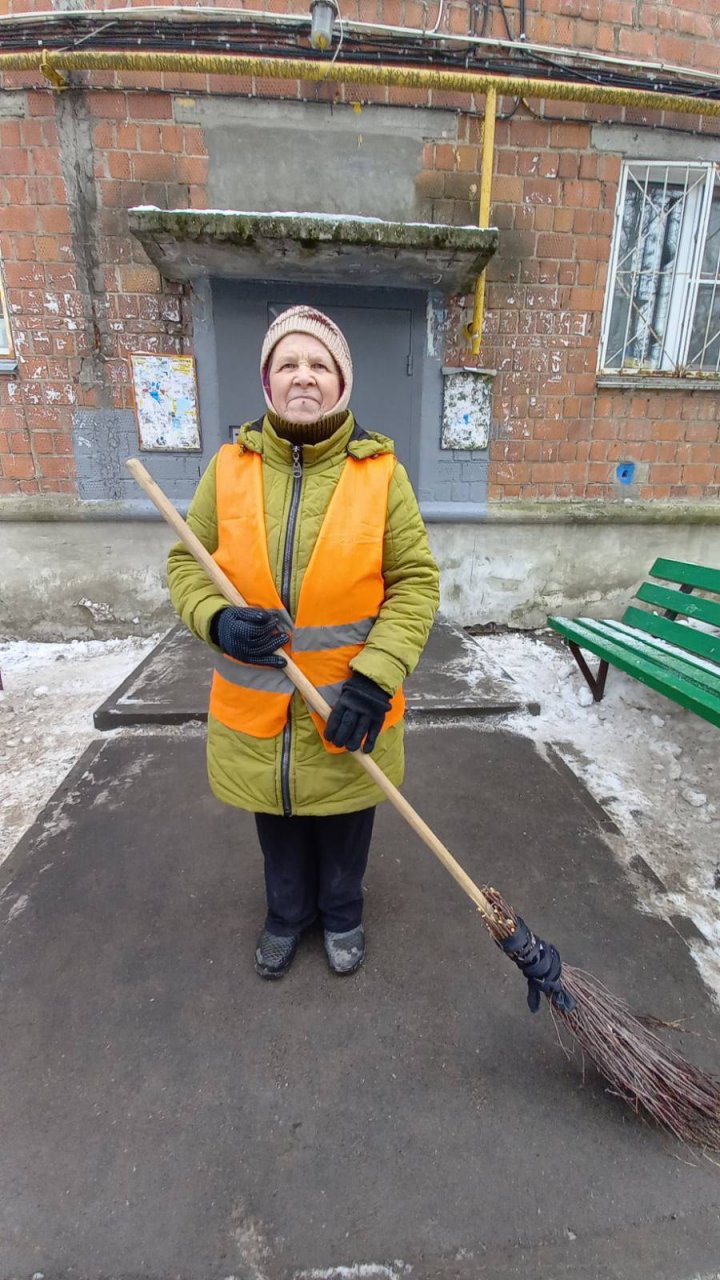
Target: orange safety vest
340,597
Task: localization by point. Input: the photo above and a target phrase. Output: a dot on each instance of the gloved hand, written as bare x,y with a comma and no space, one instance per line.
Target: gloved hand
540,963
358,714
250,635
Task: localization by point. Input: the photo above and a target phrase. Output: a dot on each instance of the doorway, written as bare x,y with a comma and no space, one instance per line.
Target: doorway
385,330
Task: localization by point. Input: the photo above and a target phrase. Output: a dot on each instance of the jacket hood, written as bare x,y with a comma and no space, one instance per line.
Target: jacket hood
350,437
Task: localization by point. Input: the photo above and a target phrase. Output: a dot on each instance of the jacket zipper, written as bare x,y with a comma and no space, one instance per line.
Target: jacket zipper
287,565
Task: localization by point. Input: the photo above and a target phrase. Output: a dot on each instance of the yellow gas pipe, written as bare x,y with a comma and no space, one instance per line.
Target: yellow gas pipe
59,60
488,154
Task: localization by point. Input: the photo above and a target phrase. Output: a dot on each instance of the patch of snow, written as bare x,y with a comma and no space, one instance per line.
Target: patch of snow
46,708
357,1271
98,611
650,763
18,906
330,218
696,798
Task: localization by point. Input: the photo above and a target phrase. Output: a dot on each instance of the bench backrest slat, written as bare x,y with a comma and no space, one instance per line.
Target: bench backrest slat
689,575
680,602
689,638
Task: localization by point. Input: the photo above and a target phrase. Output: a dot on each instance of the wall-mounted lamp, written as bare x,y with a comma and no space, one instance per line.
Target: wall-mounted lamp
322,16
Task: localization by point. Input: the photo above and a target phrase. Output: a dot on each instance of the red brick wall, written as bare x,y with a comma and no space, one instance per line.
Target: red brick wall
72,333
79,304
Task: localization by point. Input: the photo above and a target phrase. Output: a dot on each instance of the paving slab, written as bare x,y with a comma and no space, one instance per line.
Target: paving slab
168,1114
172,684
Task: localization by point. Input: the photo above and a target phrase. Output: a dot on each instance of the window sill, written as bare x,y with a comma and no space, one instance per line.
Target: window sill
8,364
657,382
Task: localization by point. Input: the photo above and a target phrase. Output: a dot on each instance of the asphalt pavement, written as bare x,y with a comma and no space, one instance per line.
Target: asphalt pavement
167,1114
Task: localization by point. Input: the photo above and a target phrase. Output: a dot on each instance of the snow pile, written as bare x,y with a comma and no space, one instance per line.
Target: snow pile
46,708
651,764
331,218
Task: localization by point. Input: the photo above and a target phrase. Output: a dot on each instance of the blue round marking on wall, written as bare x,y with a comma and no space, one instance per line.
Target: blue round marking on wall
625,472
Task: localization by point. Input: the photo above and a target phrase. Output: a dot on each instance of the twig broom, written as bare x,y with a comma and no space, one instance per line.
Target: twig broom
650,1077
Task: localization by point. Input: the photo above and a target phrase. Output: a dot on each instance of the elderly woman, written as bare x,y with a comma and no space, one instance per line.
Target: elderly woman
316,524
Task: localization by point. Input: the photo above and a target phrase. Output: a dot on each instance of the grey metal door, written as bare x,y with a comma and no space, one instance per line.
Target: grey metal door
383,327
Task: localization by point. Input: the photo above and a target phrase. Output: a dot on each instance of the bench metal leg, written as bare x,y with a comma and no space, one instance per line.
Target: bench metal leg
670,613
597,683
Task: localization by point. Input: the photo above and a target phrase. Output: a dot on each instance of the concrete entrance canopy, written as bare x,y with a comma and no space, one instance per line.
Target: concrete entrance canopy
312,247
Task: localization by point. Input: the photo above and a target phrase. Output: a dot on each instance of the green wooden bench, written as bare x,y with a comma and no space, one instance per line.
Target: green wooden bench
669,655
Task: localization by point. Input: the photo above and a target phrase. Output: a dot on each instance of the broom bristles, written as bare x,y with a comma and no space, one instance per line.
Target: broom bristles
636,1063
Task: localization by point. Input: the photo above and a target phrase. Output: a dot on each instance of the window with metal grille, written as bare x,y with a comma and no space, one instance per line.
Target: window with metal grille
662,310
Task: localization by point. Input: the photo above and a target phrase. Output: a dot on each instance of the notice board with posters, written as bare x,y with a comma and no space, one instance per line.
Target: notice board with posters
166,402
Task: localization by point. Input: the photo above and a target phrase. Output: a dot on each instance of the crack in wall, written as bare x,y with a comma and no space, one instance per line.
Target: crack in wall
77,156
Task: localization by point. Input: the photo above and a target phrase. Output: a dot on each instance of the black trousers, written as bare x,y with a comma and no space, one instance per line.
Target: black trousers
314,867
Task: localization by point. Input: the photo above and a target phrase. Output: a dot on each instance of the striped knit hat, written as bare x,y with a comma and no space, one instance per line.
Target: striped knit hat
318,325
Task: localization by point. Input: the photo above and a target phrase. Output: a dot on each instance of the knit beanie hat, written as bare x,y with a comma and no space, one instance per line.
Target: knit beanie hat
318,325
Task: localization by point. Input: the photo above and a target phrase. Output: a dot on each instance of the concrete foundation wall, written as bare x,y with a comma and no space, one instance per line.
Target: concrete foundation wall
518,574
68,580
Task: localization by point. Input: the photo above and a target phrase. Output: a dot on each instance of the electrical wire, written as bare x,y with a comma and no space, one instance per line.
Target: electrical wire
503,11
278,39
342,36
95,32
485,18
438,20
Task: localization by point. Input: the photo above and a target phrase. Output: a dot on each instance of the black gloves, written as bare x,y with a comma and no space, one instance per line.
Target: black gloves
250,635
539,962
358,714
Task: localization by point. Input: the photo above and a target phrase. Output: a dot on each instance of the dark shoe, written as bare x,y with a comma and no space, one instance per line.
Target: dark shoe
274,955
345,951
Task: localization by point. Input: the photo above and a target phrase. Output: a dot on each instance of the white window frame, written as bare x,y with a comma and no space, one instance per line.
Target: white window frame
701,181
8,358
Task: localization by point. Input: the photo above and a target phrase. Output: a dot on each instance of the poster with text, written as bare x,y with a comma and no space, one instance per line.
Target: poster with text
166,402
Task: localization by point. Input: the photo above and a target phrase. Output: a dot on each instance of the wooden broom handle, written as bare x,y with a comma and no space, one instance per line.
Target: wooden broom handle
308,690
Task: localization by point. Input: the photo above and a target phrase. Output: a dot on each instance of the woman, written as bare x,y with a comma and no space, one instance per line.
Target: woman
317,526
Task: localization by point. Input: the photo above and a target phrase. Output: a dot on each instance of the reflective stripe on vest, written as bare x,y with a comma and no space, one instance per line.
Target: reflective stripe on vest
340,597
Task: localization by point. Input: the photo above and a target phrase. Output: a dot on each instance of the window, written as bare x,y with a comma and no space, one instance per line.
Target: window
662,311
7,350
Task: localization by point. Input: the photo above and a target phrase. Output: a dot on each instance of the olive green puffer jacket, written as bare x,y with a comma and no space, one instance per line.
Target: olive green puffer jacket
246,771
